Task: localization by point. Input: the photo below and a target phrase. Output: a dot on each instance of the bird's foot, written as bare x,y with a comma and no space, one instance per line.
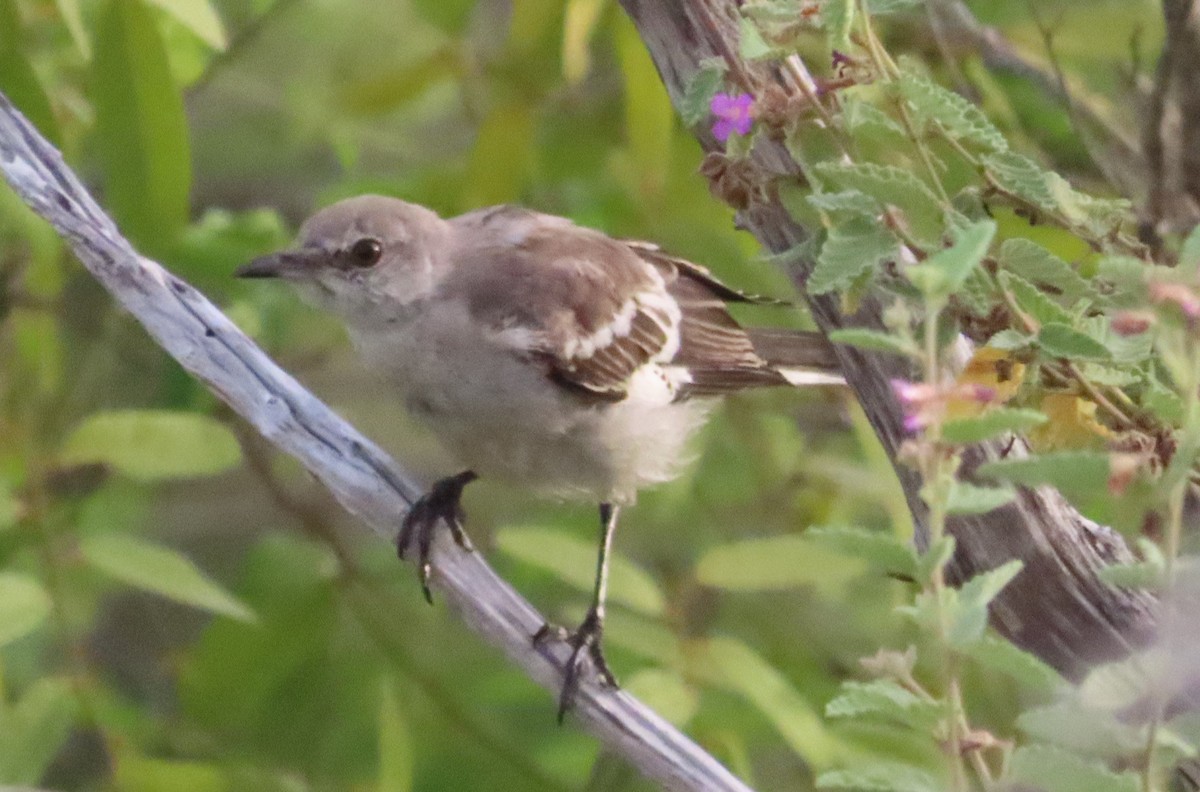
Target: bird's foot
441,503
585,645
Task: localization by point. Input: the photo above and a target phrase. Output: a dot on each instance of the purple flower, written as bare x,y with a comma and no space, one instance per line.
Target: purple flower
733,112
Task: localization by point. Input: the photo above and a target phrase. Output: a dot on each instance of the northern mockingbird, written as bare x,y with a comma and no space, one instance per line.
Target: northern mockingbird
564,361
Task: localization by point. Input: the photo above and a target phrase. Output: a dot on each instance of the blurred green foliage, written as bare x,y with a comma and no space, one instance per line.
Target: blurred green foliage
182,610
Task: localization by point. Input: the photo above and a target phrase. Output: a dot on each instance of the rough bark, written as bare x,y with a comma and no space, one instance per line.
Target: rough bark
1057,608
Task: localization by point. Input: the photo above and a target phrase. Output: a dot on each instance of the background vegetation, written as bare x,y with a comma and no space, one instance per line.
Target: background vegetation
180,609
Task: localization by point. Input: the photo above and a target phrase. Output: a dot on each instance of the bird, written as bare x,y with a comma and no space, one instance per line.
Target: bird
551,356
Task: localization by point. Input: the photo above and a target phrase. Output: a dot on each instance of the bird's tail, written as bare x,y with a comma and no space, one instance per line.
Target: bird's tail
801,357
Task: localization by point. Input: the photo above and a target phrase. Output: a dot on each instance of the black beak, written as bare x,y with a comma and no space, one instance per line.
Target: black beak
284,264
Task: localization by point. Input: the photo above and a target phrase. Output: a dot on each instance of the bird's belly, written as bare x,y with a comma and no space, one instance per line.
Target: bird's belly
500,417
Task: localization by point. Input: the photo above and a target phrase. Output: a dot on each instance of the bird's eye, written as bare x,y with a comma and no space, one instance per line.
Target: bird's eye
366,252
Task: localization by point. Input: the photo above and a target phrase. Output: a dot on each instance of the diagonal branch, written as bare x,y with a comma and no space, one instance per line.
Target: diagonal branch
1057,608
364,480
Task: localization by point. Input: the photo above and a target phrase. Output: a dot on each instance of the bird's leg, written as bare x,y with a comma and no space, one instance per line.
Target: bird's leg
586,640
442,502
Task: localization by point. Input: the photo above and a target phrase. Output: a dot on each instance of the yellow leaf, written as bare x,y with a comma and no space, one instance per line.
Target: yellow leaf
990,368
1072,424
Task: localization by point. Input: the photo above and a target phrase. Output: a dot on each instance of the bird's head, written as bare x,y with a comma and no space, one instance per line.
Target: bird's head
362,257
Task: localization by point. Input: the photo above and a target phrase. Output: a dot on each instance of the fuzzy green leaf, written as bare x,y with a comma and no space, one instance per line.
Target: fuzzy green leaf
958,116
884,699
152,445
845,204
880,777
1060,340
1121,281
879,549
1042,268
160,570
1033,301
33,730
694,106
997,421
870,339
851,250
968,499
968,619
997,654
891,186
1143,575
1074,473
1047,767
768,564
943,273
838,19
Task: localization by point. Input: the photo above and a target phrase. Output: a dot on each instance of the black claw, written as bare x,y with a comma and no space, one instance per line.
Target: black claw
440,504
585,642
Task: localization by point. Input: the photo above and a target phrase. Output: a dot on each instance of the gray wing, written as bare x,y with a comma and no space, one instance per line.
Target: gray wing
594,310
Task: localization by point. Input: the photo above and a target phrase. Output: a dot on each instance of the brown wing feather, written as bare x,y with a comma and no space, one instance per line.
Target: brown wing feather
562,283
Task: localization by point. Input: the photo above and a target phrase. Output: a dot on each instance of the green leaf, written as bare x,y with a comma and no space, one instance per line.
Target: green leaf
880,777
141,133
838,18
768,564
968,499
1075,473
739,668
395,744
500,161
1060,340
162,571
943,273
891,186
136,773
1046,767
851,249
886,700
997,654
21,85
871,339
969,618
72,18
665,692
697,97
845,204
859,115
1163,402
997,421
878,7
936,556
959,117
649,115
1189,255
580,21
875,547
751,44
1042,268
1021,176
1034,302
10,508
1142,574
152,445
199,17
449,16
1121,281
24,606
574,561
1082,730
34,729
